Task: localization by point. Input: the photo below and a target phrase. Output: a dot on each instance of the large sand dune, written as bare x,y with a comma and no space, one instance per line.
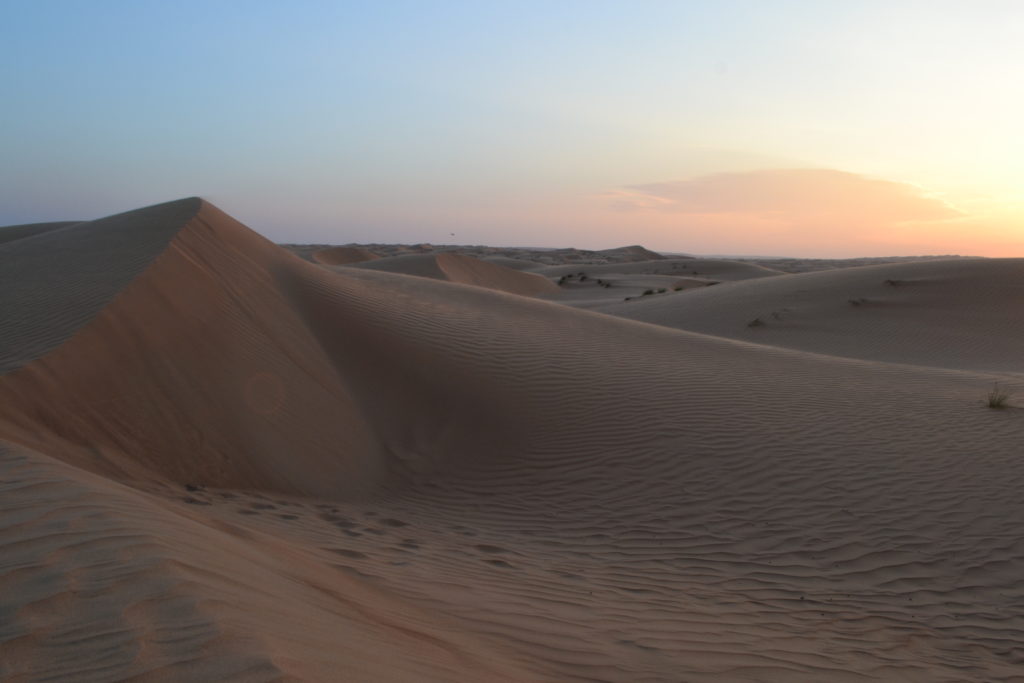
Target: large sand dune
400,478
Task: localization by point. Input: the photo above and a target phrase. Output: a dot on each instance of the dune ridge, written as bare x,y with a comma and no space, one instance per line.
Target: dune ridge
512,488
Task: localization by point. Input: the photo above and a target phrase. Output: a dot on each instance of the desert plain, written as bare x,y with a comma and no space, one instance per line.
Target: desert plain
223,459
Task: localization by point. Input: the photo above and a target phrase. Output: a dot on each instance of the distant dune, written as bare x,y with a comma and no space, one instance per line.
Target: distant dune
225,462
719,269
632,253
340,256
464,269
957,314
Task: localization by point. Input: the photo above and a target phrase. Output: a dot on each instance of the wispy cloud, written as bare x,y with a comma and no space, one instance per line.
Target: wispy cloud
798,197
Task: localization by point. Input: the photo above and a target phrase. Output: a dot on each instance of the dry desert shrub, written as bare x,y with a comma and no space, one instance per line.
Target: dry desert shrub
998,397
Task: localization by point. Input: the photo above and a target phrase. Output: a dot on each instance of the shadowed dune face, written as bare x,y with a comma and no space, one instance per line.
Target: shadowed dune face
11,233
58,279
475,485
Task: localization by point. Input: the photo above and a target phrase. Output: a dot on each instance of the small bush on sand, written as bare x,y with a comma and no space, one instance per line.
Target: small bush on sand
648,292
998,397
756,322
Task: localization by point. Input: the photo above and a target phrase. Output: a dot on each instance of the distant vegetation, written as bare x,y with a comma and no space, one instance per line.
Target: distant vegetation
998,397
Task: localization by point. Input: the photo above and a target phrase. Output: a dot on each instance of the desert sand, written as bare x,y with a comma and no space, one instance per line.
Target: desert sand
226,460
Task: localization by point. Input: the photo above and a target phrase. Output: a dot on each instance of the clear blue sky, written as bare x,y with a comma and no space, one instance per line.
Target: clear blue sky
549,123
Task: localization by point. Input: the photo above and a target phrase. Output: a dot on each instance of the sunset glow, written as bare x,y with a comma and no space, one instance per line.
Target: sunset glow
737,127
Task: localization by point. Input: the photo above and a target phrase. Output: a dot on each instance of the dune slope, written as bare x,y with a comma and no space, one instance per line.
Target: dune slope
417,479
54,282
11,233
959,314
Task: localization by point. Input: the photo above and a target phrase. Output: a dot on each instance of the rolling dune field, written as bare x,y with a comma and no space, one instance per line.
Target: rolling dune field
224,462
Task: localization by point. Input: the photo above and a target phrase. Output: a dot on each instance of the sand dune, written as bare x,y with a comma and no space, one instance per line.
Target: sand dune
600,286
18,232
341,256
709,268
513,263
632,253
399,478
959,314
58,280
464,269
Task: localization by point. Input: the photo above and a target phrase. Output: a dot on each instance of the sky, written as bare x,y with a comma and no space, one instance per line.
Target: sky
745,127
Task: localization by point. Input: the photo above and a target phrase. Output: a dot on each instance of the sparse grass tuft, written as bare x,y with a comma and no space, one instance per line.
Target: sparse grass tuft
997,397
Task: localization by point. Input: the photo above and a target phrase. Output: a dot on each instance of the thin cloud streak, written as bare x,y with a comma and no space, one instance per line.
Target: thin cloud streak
798,197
